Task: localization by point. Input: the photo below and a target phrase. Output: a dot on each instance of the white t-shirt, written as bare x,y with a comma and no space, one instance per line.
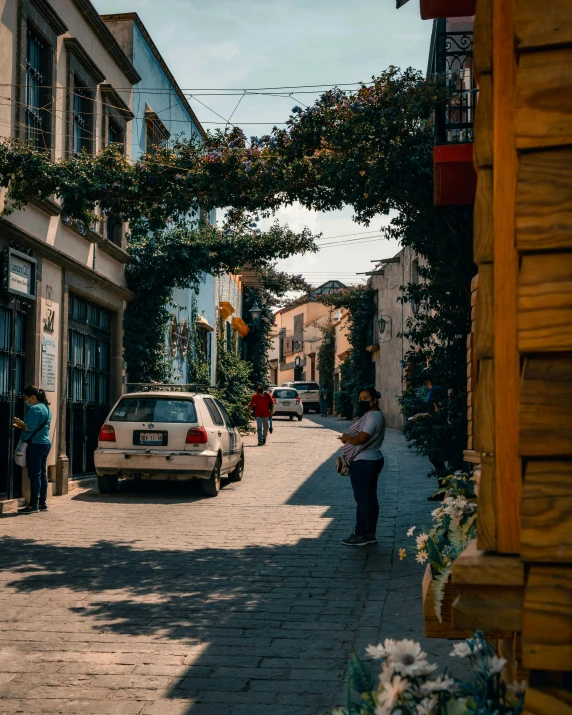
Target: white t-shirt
374,423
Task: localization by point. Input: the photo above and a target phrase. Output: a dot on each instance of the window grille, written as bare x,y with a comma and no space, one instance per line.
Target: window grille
36,115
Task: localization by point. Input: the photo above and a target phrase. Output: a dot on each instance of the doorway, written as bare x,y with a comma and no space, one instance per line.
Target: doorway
88,381
12,377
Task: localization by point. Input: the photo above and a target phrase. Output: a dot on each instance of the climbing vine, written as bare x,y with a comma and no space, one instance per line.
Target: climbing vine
233,380
370,149
271,287
188,252
357,370
198,362
327,358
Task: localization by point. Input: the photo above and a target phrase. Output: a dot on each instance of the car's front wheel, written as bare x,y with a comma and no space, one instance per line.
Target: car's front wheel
237,473
211,486
107,483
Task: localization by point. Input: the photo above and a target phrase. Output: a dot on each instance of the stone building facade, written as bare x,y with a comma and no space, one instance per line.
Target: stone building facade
67,87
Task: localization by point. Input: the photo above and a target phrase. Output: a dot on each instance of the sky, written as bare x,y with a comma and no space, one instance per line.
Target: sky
248,44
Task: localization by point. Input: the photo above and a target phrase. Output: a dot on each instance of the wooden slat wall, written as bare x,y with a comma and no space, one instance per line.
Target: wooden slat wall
523,331
508,465
520,350
483,398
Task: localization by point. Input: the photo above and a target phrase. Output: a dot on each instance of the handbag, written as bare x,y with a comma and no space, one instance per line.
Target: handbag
22,446
343,463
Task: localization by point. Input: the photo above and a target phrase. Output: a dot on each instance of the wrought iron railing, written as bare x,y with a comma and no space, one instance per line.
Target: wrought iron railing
451,61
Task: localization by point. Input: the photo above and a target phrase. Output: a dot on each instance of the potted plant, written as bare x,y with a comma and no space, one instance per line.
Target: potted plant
409,684
454,525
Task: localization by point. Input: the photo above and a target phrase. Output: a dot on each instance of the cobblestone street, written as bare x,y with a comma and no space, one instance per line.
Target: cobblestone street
159,601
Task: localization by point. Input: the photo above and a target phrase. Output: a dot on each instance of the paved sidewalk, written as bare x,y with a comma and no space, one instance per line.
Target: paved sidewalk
159,601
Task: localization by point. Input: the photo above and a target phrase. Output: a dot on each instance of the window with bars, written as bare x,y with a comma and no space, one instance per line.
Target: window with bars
12,352
88,352
82,118
156,134
115,134
36,111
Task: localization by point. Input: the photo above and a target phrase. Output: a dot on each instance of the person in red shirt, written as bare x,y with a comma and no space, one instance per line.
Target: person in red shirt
263,406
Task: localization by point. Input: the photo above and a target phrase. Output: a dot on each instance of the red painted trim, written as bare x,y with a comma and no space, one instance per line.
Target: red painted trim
432,9
455,177
446,153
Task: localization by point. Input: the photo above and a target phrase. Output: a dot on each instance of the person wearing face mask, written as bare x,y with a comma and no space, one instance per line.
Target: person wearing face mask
362,450
263,406
36,432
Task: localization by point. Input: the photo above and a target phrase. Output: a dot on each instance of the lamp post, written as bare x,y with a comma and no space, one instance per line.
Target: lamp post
256,312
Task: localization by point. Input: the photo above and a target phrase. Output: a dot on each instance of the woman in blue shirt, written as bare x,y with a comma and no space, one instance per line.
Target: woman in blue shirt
36,432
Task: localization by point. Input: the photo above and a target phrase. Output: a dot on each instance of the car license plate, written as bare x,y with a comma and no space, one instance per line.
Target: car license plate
150,438
285,404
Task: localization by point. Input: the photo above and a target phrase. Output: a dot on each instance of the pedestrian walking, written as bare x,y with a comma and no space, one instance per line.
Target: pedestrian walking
362,451
262,405
36,434
324,397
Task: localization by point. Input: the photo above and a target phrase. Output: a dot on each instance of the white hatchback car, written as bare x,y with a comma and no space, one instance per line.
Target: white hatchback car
309,392
287,402
169,436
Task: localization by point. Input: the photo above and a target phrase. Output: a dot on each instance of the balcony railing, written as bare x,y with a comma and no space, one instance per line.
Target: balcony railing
451,60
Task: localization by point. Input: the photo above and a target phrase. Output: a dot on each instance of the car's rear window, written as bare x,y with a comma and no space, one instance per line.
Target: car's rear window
306,386
285,394
154,409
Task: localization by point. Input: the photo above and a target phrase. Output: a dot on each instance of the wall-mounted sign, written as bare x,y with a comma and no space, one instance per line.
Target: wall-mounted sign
20,274
48,364
49,294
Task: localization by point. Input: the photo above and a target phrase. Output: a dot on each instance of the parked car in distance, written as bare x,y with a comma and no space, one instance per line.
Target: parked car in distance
287,402
309,392
168,436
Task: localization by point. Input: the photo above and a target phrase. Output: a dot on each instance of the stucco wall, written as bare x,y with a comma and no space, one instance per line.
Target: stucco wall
388,367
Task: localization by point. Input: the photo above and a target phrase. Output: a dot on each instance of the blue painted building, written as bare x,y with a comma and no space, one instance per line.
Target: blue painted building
162,111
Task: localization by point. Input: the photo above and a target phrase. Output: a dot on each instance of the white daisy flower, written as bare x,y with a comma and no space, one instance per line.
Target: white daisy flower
460,650
421,540
421,557
495,665
376,651
411,531
433,686
438,512
389,696
517,688
425,707
407,658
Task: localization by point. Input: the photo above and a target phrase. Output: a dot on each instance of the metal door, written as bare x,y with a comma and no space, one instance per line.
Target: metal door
88,381
12,376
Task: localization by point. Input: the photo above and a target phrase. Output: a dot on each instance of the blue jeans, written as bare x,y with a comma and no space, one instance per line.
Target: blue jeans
262,427
323,408
36,458
363,476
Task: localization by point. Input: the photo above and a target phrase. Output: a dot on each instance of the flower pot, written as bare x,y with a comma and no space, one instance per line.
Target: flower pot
433,627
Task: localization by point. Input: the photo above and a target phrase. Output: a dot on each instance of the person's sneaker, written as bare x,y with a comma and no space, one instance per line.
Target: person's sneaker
260,444
29,510
355,540
264,441
370,538
270,429
43,507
